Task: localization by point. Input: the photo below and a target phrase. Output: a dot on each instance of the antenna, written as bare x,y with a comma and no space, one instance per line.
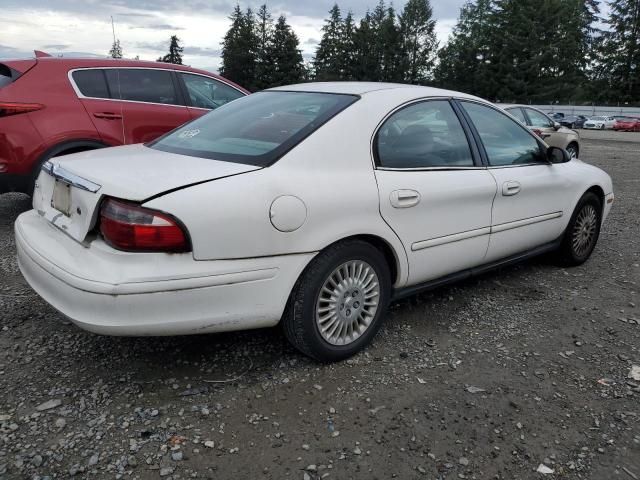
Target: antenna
113,29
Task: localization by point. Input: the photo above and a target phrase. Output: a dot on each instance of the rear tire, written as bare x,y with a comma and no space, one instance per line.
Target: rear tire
337,305
582,233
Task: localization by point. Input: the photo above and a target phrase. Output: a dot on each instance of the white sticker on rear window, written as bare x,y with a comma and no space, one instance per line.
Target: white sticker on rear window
189,133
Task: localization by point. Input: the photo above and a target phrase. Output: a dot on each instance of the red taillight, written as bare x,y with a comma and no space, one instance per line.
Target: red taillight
13,108
127,226
537,132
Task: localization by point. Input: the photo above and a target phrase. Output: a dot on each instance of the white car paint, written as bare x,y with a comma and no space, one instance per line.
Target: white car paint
249,247
599,123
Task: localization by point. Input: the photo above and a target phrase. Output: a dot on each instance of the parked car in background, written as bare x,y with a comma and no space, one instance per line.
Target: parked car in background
573,121
627,124
552,132
357,192
56,106
557,116
599,123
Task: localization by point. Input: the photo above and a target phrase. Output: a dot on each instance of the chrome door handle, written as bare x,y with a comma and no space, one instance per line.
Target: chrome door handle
404,198
510,188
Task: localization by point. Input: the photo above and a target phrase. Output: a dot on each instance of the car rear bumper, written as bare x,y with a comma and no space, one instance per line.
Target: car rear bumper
118,293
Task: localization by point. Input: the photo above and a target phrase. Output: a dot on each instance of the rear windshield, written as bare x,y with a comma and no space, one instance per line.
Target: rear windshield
5,75
257,129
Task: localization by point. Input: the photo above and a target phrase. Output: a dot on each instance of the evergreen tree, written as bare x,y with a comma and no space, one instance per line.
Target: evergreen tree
347,53
239,50
116,49
286,57
464,60
419,49
620,53
520,50
264,33
378,17
175,52
365,66
327,62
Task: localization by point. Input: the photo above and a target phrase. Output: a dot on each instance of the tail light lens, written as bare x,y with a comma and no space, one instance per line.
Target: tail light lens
537,132
13,108
129,227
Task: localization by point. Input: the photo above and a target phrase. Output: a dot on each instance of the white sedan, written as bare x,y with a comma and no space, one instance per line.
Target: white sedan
599,123
310,205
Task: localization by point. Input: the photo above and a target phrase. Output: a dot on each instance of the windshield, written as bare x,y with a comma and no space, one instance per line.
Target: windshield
257,129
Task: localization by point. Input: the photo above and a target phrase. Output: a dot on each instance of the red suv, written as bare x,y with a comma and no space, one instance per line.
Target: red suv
55,106
627,124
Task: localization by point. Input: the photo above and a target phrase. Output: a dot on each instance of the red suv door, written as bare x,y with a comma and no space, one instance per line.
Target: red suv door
105,113
150,102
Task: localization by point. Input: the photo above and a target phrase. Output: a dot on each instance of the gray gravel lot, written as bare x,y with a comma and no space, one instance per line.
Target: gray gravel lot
485,379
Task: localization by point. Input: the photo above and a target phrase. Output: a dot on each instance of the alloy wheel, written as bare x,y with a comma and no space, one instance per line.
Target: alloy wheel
584,230
348,302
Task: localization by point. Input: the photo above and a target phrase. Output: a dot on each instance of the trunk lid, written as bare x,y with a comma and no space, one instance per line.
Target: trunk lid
69,188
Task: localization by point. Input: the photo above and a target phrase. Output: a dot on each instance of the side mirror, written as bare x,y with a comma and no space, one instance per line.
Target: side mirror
557,125
557,155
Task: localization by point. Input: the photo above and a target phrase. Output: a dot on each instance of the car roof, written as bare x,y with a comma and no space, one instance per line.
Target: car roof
106,62
517,105
76,62
362,88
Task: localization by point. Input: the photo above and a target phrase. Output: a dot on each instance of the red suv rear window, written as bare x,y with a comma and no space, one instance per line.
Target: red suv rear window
6,75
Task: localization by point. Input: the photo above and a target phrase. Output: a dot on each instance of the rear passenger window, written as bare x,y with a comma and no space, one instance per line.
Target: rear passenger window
505,141
142,85
91,83
422,135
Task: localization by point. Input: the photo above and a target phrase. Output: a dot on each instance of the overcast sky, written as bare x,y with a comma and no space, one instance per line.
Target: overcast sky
144,26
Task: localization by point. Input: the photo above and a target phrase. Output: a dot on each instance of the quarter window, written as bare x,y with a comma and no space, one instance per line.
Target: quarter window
142,85
505,141
205,92
517,112
539,119
91,83
422,135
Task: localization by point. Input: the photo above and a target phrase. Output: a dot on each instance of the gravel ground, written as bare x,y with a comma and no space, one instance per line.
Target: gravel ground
487,379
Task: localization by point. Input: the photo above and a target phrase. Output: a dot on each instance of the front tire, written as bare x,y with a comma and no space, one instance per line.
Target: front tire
337,305
573,150
582,233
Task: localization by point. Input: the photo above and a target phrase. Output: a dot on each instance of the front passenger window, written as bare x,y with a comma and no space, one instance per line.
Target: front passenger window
205,92
422,135
505,141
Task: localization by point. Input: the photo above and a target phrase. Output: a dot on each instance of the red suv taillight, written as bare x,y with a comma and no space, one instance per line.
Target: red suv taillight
13,108
127,226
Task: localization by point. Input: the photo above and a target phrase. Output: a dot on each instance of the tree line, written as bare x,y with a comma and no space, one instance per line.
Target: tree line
503,50
541,51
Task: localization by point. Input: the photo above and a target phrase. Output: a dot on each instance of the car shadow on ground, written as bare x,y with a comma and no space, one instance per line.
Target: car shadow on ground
251,356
